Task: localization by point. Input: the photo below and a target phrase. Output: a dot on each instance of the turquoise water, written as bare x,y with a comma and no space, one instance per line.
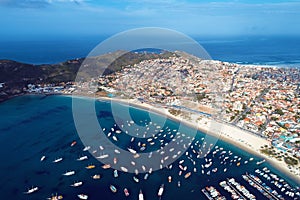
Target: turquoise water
33,126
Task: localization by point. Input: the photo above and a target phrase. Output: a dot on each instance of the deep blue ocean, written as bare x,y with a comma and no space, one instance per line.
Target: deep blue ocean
258,50
32,126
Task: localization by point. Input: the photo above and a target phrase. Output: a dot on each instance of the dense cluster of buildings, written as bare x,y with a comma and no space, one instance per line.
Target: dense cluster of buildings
263,100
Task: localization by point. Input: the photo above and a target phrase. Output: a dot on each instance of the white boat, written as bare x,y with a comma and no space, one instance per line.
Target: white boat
131,150
160,190
141,196
77,184
124,169
86,148
57,160
146,176
69,173
136,179
260,162
82,158
83,196
42,158
114,138
31,190
103,156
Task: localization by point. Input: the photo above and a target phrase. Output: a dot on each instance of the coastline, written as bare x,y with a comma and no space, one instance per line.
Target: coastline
229,134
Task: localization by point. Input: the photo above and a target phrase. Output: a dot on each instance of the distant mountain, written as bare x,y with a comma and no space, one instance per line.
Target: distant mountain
16,75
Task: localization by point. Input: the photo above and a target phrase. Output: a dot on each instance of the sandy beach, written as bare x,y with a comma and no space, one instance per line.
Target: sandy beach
228,133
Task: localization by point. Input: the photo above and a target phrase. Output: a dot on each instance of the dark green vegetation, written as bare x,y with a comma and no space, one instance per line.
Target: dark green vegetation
16,76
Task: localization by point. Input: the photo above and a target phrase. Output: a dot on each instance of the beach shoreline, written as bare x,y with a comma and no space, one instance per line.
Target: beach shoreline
228,133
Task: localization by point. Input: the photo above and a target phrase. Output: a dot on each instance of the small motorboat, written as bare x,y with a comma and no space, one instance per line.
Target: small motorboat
126,192
73,143
113,188
83,196
77,184
69,173
141,196
96,176
160,190
56,197
90,167
42,158
86,148
82,158
57,160
32,190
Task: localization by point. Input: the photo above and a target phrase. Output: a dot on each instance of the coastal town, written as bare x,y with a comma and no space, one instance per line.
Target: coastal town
261,100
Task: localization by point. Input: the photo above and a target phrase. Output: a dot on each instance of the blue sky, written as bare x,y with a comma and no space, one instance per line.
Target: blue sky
41,18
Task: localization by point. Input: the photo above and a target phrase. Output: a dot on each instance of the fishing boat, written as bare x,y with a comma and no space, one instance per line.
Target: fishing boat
77,184
42,158
160,190
141,196
90,166
126,192
31,190
96,176
169,179
57,160
83,196
82,158
56,197
250,159
113,188
69,173
115,160
178,184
